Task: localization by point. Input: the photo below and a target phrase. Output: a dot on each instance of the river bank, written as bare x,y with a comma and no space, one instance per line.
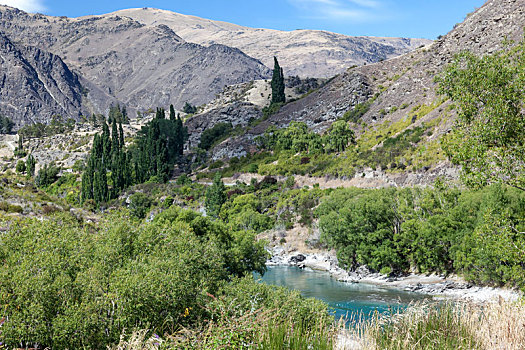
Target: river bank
440,287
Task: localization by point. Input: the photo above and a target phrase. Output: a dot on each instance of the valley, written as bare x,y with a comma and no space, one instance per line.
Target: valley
154,165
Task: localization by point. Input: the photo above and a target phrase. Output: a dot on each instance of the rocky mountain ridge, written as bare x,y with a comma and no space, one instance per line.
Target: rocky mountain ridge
306,53
35,83
404,86
135,64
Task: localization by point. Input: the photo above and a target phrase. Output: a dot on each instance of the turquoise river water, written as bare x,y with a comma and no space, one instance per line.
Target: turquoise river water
344,298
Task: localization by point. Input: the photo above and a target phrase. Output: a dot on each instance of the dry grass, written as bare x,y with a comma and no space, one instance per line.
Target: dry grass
493,326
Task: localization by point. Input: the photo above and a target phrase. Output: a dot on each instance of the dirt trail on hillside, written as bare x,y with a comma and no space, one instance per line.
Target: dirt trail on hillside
367,178
7,145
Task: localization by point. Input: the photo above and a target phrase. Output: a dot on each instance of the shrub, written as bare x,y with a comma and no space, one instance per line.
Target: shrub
20,166
212,136
139,204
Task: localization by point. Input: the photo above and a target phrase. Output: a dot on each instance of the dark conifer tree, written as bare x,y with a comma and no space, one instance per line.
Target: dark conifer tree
278,95
121,136
106,146
125,117
172,113
161,113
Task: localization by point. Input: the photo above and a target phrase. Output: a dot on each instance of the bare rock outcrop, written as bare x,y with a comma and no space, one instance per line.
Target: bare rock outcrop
142,66
35,84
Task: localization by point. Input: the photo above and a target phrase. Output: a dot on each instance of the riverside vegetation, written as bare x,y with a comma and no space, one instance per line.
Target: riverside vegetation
152,272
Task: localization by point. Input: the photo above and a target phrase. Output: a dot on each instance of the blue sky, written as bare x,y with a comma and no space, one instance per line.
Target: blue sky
405,18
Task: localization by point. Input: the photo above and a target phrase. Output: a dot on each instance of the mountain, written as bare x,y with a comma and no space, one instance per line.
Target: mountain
408,80
142,66
35,83
400,92
306,53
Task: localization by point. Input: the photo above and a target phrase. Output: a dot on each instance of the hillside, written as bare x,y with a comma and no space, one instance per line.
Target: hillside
35,83
142,66
306,53
386,99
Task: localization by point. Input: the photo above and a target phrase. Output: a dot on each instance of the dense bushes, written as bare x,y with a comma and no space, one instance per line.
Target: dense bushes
6,125
211,136
64,284
476,233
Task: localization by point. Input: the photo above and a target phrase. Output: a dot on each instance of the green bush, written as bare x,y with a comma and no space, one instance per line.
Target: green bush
139,204
64,286
212,136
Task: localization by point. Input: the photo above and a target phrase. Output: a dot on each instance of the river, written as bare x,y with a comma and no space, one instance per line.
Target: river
344,298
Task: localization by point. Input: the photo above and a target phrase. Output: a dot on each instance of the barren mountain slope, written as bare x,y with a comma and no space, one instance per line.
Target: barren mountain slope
404,86
143,66
408,81
301,52
35,84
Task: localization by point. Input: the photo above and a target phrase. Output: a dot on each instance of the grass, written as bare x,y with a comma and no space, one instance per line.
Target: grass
446,327
254,330
424,326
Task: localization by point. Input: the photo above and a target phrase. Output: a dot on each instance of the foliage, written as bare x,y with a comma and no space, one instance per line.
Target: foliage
57,126
189,109
442,230
30,165
278,95
139,204
6,125
298,138
353,115
47,175
488,140
20,166
215,134
65,286
215,196
339,137
119,115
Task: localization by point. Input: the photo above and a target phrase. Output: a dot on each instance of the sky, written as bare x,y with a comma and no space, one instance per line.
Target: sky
393,18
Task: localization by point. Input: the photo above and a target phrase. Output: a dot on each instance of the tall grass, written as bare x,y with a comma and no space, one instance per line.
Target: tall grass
257,330
447,326
493,326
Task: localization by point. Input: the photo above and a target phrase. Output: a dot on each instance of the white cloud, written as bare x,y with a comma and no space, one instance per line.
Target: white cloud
26,5
356,10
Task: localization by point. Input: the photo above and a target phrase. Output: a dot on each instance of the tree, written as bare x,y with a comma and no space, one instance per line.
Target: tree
278,95
47,175
339,136
172,113
160,114
215,196
488,140
6,125
20,166
30,165
106,146
189,109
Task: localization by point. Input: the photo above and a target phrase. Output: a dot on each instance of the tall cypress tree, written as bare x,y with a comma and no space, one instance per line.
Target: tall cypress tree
278,95
106,146
121,136
172,113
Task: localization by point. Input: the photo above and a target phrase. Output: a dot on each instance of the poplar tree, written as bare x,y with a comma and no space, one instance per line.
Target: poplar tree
106,146
30,165
172,112
278,95
215,196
